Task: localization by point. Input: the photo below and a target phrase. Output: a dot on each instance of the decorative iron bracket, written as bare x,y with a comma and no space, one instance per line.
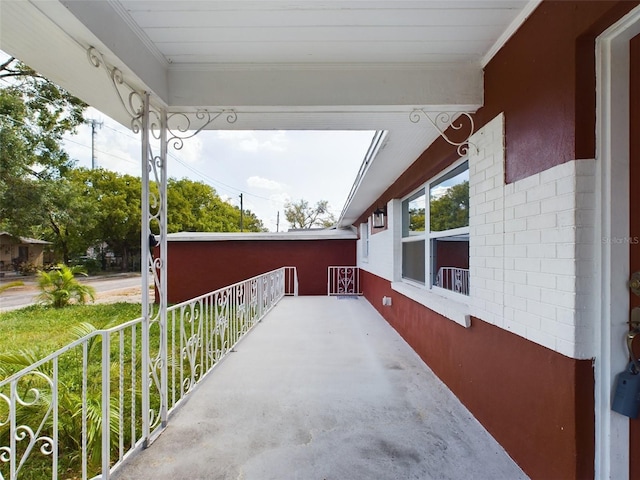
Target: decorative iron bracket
442,121
181,125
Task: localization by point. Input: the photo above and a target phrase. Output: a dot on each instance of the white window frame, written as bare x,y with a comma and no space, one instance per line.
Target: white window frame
416,237
428,236
450,304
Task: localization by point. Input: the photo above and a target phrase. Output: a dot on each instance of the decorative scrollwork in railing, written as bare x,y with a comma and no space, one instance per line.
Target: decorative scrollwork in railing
343,280
17,452
253,302
191,333
448,120
346,280
454,279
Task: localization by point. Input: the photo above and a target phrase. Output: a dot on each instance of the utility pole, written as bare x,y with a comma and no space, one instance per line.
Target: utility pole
278,221
241,214
94,123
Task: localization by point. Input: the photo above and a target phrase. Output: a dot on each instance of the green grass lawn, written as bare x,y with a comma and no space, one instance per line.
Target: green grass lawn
45,329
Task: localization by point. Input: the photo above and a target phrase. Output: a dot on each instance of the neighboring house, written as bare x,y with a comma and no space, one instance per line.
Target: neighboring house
17,250
523,309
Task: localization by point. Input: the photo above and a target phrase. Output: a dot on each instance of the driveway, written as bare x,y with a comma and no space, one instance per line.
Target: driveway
124,287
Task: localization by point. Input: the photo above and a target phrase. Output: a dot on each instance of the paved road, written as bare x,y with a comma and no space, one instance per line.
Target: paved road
23,296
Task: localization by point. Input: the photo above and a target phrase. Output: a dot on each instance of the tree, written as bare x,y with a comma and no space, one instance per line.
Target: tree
111,203
451,210
300,215
196,207
117,201
34,116
416,219
72,216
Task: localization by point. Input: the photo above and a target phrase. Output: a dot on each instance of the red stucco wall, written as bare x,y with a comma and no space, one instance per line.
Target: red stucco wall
196,268
537,403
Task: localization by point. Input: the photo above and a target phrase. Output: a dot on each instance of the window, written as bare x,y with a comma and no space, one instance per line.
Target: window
364,235
435,241
413,239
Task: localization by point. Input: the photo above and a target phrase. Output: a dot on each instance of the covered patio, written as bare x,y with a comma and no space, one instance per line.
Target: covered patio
533,98
322,388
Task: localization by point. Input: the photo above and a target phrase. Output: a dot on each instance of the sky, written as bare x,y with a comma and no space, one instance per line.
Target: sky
269,168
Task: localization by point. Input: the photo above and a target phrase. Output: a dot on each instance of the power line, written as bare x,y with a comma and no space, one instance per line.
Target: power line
214,181
225,187
128,160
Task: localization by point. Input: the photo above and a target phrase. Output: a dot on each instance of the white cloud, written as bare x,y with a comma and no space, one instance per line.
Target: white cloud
226,198
439,191
264,183
278,200
191,151
255,141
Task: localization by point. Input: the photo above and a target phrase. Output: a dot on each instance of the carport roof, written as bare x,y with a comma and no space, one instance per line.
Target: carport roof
303,234
317,65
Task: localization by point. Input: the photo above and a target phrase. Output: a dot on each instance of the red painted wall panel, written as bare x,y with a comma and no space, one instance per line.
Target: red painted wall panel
196,268
544,81
537,403
453,254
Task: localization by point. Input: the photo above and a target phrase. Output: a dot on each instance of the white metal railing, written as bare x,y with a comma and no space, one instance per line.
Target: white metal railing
454,279
343,281
52,412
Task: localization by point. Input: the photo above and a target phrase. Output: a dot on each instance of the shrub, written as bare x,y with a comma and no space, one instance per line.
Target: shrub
27,268
90,265
59,287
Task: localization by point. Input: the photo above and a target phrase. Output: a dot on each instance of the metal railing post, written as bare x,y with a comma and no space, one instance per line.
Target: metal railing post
106,404
162,188
146,264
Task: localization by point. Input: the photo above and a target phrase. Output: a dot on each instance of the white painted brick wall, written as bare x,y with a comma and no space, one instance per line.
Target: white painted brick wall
531,245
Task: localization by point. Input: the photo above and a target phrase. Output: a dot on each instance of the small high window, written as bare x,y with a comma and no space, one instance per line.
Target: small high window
364,235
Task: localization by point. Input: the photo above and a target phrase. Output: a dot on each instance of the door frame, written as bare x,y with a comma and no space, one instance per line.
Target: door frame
613,236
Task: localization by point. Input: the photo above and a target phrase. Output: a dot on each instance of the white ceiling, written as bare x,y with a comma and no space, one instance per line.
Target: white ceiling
282,32
299,64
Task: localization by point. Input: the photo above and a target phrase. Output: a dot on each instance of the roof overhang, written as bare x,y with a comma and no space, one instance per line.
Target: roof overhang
380,75
298,235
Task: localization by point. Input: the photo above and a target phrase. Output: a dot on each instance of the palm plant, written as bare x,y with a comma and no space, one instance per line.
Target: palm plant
59,287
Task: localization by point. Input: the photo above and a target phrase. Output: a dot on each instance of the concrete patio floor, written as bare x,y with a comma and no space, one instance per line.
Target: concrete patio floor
322,389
